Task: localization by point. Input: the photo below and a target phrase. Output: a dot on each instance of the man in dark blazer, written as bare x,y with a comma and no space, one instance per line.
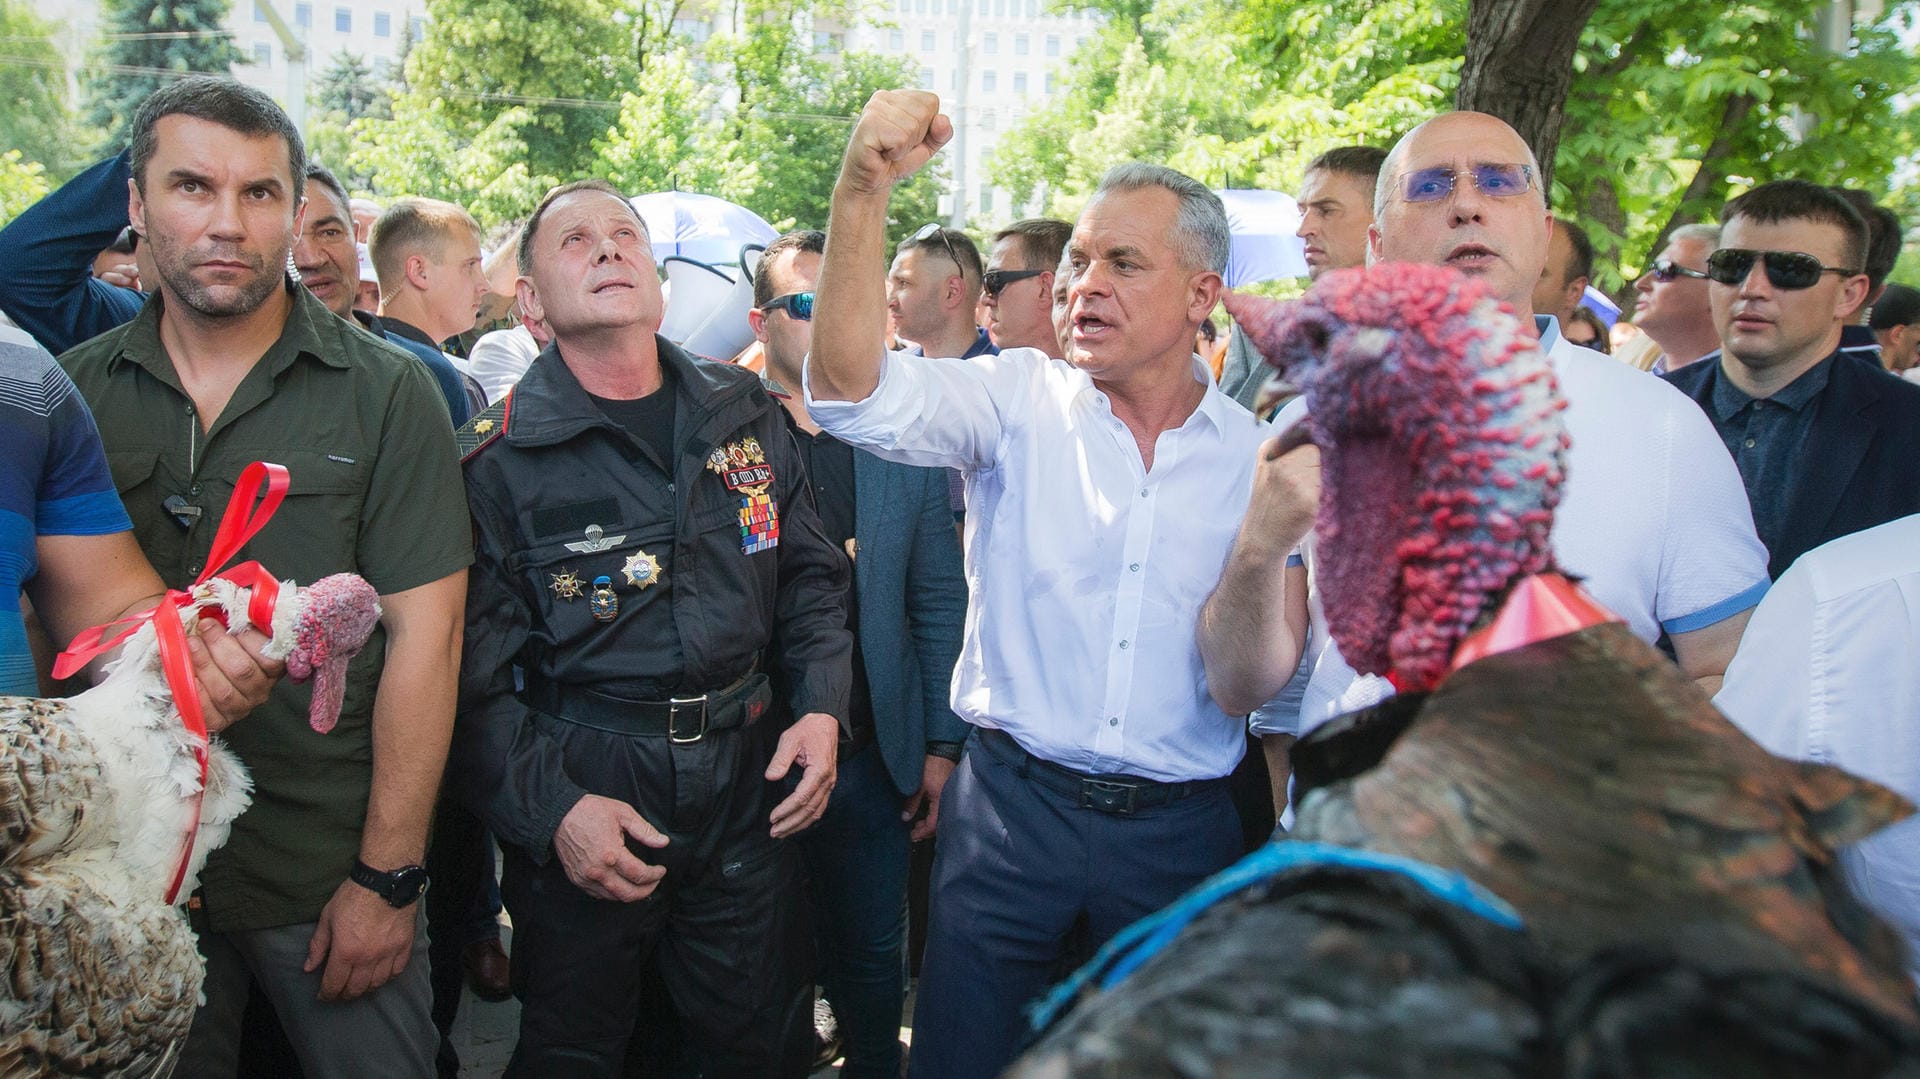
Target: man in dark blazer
1827,443
910,600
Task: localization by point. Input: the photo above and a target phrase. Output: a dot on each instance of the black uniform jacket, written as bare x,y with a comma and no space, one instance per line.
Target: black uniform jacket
561,495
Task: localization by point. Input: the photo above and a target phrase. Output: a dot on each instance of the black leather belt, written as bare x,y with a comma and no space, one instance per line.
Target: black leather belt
1115,794
681,720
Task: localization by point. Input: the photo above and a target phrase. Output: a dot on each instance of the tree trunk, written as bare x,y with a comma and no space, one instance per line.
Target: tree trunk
1519,64
1711,175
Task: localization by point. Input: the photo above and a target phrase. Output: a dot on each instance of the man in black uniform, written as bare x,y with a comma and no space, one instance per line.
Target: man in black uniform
644,539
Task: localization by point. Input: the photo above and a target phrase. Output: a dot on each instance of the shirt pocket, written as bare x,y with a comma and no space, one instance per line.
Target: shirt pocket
316,530
562,578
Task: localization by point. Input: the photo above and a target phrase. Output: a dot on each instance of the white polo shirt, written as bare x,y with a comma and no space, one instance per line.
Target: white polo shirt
1829,671
1085,572
1653,516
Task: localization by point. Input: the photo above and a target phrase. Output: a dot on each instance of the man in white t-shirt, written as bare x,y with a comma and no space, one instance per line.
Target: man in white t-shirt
1653,515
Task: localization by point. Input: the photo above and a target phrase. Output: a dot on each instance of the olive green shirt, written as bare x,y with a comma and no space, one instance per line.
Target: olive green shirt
375,489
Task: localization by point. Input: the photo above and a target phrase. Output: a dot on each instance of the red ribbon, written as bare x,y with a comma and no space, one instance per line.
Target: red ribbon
239,524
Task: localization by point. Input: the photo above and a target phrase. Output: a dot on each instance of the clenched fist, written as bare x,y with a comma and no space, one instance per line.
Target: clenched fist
898,133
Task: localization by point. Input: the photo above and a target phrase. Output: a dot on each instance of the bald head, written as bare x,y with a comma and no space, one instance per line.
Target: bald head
1493,224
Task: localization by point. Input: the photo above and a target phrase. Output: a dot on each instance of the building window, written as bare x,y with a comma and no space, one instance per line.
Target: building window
263,54
1053,44
896,40
990,44
986,200
1049,82
926,41
1019,44
1019,82
989,81
417,28
343,20
382,24
906,6
988,120
953,7
303,15
259,11
825,43
926,78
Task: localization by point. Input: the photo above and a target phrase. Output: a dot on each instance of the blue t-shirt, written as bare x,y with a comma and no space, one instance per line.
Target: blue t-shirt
53,482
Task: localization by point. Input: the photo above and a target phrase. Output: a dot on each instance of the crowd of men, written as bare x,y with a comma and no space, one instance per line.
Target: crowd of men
985,551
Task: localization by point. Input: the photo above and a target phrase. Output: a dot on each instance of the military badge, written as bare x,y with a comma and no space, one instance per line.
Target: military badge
743,467
602,602
597,540
566,586
642,570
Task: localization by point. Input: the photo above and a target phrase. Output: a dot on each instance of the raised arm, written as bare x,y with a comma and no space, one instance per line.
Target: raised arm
1254,626
898,133
47,285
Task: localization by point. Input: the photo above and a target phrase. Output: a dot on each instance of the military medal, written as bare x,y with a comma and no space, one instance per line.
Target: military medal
597,540
602,602
743,467
641,569
566,585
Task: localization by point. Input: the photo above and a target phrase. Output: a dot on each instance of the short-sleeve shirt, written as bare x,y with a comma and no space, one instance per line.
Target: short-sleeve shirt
375,490
1653,518
53,482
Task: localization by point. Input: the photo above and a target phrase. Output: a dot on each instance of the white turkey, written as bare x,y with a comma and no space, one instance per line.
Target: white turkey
100,797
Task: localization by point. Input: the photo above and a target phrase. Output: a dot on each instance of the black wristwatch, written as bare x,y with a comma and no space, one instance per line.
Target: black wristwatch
399,888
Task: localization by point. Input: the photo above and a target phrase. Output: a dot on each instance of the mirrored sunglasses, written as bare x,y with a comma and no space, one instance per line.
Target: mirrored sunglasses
1785,269
1497,180
1665,270
995,280
797,305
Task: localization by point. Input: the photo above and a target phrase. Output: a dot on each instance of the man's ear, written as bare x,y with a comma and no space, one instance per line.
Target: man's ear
136,208
1853,293
416,271
1374,253
757,319
529,300
1204,296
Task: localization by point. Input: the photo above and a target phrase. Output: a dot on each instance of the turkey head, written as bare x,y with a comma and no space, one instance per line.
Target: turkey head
317,630
1437,417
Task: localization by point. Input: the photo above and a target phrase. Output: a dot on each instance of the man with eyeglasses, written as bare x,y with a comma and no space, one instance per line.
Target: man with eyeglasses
905,605
932,289
1105,491
1826,442
1653,517
1019,283
1670,300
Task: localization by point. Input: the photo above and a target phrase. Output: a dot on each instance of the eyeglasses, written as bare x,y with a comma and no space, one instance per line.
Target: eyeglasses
1499,181
995,280
797,305
1785,269
1665,270
932,229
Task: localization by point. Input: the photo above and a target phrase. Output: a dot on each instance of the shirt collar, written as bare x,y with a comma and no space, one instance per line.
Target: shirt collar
1729,399
1549,329
301,336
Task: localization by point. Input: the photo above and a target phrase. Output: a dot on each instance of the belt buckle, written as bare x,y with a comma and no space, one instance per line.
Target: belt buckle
673,710
1107,796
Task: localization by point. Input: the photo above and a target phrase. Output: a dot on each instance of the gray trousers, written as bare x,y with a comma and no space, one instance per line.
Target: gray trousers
386,1033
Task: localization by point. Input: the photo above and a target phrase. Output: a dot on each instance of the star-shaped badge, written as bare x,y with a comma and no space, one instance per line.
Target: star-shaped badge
641,569
566,586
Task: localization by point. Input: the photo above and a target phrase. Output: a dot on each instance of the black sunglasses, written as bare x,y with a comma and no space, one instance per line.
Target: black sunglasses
797,305
1665,270
1785,269
995,280
1498,180
932,229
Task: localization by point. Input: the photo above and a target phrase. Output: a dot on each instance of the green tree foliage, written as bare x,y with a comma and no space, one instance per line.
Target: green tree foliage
145,43
1673,107
22,183
37,121
348,90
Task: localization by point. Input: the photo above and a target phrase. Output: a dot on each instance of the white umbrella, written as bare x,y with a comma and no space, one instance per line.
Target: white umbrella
700,227
1264,247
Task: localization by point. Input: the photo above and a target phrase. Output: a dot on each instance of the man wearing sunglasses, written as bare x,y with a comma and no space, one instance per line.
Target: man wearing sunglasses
905,603
1019,283
1826,443
1653,517
1106,490
932,289
1670,300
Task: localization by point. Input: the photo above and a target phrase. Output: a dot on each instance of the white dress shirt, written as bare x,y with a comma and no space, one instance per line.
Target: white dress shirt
500,357
1085,572
1829,671
1653,517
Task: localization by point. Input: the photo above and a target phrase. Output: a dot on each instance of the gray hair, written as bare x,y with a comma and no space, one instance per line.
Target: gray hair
1708,234
1390,168
1200,226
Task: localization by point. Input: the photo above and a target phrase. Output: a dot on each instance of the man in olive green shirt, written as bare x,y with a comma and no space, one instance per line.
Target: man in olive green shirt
229,362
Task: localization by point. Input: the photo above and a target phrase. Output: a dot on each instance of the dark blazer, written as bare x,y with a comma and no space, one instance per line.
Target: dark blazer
913,602
1861,461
